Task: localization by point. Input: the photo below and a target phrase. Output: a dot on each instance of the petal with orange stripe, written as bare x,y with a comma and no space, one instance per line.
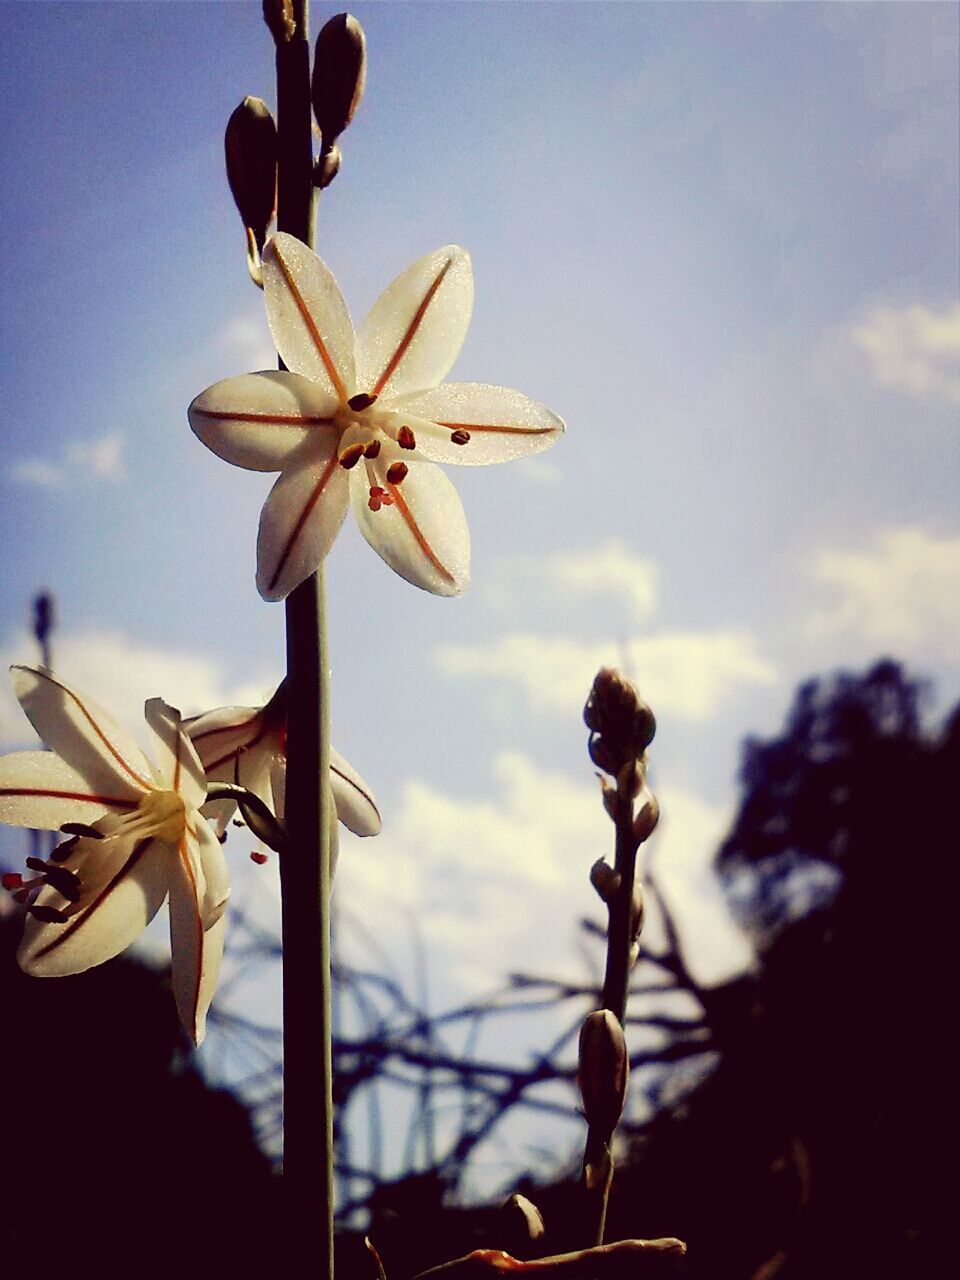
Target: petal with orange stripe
123,885
178,765
38,789
501,424
308,317
196,931
416,327
257,420
300,520
422,534
82,734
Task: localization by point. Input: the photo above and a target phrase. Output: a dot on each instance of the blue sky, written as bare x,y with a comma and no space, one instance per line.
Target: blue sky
720,240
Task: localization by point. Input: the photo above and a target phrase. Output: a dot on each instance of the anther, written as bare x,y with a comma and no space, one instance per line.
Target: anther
460,436
372,450
405,438
258,858
81,829
375,501
351,456
49,915
396,472
11,881
361,401
65,882
63,851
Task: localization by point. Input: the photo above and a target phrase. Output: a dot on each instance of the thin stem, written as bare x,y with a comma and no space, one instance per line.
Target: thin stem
305,870
616,978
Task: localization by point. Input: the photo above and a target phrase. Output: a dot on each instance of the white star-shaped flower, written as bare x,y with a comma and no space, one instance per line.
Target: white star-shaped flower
137,837
361,418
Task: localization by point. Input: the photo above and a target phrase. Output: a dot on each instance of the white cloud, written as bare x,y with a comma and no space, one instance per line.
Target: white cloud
685,674
120,673
915,350
610,571
96,459
244,344
498,883
901,594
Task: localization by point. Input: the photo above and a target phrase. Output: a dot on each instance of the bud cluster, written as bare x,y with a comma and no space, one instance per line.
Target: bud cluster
621,724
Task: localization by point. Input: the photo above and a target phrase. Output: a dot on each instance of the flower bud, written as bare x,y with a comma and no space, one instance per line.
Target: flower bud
631,779
280,18
250,146
602,1071
619,715
524,1219
601,754
327,167
339,74
604,879
646,820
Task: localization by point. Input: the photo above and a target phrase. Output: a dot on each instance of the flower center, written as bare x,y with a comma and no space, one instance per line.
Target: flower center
160,815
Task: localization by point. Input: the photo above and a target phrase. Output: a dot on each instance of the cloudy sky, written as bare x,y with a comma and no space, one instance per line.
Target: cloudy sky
720,240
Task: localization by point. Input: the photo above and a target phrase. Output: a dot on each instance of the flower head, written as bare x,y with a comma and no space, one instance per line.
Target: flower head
248,745
361,418
136,838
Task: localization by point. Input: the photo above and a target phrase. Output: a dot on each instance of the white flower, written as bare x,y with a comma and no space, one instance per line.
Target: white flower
137,838
361,418
248,745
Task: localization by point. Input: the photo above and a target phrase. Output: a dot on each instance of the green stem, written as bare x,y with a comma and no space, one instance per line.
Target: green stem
305,869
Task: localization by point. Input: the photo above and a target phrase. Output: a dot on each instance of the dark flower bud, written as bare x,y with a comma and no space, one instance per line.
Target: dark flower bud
646,820
281,19
339,75
250,146
617,712
602,1071
327,168
601,754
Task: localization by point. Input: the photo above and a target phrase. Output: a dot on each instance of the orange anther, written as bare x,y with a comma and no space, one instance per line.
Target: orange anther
351,456
396,472
372,450
406,439
460,436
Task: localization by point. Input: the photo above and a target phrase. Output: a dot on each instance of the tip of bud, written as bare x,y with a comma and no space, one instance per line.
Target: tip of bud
621,724
339,75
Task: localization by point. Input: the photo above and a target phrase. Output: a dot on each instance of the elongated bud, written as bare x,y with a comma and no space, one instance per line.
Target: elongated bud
602,1071
327,167
604,879
250,146
524,1223
621,723
339,75
644,824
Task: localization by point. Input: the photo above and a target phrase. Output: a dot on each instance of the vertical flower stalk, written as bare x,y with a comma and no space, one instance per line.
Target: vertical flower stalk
305,871
621,728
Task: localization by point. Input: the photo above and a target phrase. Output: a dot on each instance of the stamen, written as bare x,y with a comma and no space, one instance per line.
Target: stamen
65,882
258,858
63,851
361,401
460,436
351,456
405,438
81,829
222,837
49,915
372,450
396,472
377,495
11,881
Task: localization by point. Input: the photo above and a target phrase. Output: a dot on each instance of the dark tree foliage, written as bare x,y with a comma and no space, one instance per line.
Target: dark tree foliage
116,1158
824,1144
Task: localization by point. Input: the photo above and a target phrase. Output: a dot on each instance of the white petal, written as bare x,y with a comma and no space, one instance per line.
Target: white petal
123,884
423,536
300,520
196,947
178,765
416,328
82,734
308,317
216,877
222,738
502,424
37,789
258,419
356,807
